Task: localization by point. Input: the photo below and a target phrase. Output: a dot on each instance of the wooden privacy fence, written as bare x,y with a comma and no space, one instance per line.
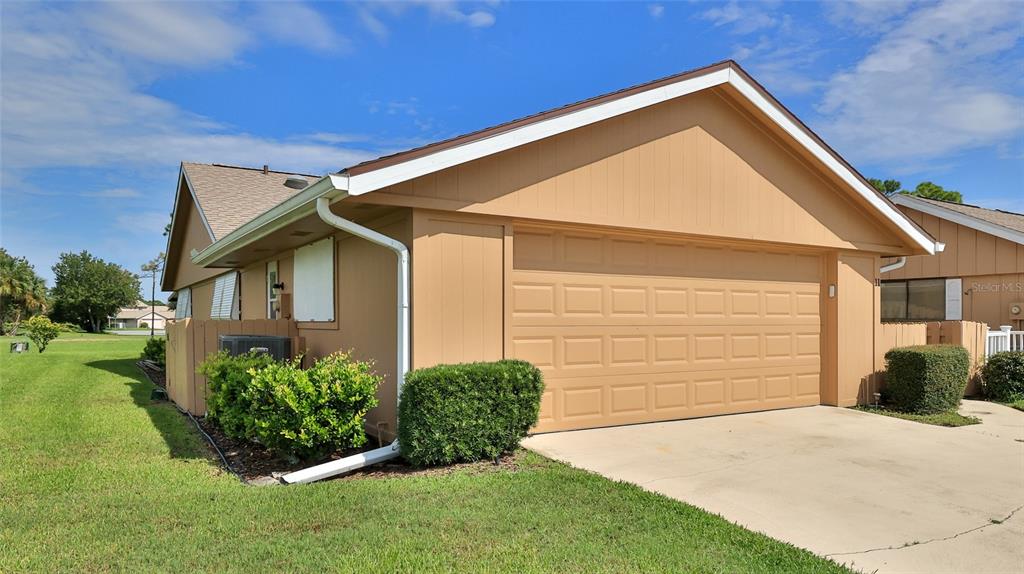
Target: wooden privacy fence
189,341
968,334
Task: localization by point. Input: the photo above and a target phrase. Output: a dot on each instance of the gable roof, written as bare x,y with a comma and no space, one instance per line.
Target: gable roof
229,196
383,172
1005,224
142,310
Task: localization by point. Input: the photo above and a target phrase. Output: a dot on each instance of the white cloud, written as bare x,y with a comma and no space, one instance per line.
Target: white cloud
298,24
741,18
655,10
114,193
74,79
481,16
931,87
142,223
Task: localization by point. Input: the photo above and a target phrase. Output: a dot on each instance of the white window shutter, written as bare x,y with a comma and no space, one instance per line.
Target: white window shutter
184,305
225,297
313,292
954,299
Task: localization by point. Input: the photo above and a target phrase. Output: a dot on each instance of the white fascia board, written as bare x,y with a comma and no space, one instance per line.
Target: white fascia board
837,167
959,218
384,177
290,210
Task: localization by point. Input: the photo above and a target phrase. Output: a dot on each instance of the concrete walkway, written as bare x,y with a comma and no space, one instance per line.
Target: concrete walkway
873,492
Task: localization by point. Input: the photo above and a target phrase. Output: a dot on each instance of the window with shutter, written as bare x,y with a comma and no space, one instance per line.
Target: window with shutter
225,297
314,281
184,305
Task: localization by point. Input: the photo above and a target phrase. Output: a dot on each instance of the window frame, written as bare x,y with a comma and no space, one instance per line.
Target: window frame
942,311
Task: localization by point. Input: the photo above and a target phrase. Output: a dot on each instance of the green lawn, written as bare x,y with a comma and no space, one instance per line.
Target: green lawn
95,477
1017,404
950,419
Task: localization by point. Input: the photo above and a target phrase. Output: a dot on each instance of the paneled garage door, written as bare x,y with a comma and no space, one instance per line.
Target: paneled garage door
631,330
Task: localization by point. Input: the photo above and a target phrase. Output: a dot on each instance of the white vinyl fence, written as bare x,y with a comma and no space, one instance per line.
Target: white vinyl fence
1004,339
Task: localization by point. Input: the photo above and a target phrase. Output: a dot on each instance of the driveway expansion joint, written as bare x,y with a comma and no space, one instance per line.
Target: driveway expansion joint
991,522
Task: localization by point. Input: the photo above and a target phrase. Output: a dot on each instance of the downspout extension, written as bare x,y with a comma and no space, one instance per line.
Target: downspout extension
350,463
893,266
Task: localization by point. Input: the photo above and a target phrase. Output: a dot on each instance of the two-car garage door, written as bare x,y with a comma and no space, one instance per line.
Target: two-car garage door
631,330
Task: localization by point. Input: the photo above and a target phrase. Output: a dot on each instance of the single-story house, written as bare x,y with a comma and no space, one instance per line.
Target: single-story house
680,248
978,277
139,315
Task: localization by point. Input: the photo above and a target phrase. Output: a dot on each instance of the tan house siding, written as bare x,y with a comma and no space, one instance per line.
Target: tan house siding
857,301
693,165
992,269
182,272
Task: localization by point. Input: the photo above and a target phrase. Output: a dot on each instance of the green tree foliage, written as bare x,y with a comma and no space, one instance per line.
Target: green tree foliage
87,289
925,189
929,190
22,292
41,331
888,187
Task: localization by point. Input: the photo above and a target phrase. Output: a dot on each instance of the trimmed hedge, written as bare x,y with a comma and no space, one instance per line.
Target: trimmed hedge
467,412
295,412
1003,375
926,379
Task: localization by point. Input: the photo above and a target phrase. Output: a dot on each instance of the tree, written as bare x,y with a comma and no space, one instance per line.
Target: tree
930,190
22,292
41,331
87,289
150,270
888,187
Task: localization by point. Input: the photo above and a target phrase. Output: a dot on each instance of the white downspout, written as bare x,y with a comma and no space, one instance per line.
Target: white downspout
348,464
893,266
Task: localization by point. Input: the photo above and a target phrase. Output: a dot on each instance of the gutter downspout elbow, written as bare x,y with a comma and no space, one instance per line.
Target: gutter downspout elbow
893,266
348,464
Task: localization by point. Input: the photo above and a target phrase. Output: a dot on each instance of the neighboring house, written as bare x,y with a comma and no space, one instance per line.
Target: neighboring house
978,277
139,315
681,248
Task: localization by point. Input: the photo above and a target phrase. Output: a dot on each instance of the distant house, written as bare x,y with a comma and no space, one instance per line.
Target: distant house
141,315
978,277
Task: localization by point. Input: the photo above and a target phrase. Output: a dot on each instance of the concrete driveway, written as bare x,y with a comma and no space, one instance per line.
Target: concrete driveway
873,492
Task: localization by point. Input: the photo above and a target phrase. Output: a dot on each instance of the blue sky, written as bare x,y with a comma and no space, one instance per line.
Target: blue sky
100,102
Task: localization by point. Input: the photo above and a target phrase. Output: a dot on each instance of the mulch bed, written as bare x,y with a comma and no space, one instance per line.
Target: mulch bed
256,465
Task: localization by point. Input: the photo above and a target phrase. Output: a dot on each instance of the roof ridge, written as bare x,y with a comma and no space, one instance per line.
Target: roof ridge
247,168
1006,211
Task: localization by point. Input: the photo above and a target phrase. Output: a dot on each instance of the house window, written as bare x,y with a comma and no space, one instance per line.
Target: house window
920,300
184,305
225,297
313,281
272,292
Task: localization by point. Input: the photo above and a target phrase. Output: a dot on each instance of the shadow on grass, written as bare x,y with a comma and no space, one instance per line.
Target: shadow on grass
177,431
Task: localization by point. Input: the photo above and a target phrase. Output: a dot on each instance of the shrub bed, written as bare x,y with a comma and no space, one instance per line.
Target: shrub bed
467,412
155,350
1003,376
302,413
926,379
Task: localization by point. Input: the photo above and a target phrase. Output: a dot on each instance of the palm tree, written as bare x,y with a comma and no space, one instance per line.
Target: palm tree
22,292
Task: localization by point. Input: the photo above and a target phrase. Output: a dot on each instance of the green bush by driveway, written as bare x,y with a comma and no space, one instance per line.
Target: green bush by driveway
95,477
926,379
1003,376
467,412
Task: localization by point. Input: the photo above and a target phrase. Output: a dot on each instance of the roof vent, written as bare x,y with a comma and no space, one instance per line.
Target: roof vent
296,182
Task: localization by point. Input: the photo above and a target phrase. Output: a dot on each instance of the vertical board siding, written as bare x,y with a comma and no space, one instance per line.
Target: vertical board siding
693,165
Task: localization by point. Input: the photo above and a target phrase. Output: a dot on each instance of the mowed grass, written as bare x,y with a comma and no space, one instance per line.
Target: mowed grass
94,477
947,419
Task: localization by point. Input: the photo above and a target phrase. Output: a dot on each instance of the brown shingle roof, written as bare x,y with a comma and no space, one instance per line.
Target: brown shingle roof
230,196
1007,219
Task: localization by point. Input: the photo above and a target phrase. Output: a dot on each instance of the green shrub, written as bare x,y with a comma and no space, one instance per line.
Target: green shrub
155,350
467,412
69,328
307,413
295,412
926,379
227,378
41,331
1003,375
143,325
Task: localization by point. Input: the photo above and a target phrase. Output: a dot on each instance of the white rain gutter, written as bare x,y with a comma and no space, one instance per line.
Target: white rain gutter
899,263
350,463
893,266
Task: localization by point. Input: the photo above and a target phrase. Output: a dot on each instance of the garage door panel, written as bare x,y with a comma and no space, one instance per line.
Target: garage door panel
630,330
